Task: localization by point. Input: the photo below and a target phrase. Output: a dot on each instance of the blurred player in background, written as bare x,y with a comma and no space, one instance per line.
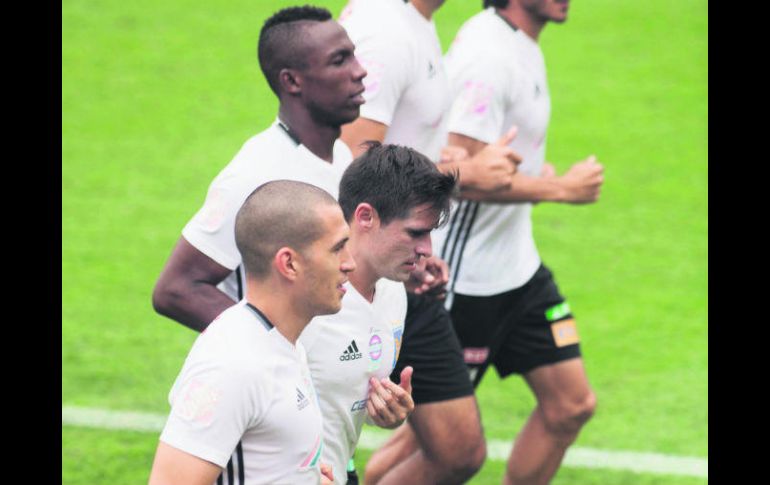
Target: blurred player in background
505,305
244,398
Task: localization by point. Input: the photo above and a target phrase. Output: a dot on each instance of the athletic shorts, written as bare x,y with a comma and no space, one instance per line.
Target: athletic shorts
516,331
431,347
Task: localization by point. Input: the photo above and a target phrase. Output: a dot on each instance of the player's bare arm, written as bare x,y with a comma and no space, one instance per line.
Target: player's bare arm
355,134
186,290
581,184
176,467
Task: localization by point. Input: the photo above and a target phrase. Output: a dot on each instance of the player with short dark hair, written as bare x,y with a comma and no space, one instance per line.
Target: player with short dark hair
244,399
352,353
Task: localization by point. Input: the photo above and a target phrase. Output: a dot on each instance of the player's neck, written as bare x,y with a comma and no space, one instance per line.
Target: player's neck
426,7
365,277
521,19
282,313
318,138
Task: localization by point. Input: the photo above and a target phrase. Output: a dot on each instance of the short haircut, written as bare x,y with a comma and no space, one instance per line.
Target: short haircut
280,40
395,179
277,214
495,3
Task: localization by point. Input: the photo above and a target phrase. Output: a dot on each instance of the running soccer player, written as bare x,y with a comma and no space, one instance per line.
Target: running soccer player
506,307
407,100
244,398
392,197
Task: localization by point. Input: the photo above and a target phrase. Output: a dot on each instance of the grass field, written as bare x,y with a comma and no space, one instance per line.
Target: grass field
157,96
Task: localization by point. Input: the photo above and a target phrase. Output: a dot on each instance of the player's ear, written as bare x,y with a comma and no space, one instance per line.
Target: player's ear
286,262
290,81
365,216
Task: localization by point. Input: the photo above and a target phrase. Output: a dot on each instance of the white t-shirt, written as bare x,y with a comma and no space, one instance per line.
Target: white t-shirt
406,85
345,350
269,155
244,385
498,79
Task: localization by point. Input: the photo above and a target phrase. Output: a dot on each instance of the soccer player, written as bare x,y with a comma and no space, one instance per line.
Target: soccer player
407,100
392,197
245,389
308,61
505,304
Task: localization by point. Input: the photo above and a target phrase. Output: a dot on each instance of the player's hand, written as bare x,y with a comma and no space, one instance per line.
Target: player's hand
548,170
492,168
327,477
583,181
429,278
453,153
390,404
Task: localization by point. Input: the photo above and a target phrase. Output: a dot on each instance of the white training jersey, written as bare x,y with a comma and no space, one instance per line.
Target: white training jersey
406,84
345,350
498,79
245,396
270,155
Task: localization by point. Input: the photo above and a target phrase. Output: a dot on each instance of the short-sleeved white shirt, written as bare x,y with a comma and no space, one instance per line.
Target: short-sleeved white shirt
498,79
267,156
406,85
345,350
245,392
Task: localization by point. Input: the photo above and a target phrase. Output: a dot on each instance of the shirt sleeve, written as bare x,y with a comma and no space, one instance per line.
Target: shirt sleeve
388,64
212,229
480,89
213,408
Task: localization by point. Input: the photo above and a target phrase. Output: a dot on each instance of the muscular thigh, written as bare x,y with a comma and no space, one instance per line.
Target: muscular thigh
447,427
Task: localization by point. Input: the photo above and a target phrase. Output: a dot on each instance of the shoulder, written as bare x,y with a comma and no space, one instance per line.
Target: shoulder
391,296
377,25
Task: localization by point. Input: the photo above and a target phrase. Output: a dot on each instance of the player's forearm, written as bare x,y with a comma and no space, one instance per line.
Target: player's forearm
524,188
194,305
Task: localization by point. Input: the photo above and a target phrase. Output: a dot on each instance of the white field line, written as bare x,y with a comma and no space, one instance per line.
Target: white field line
372,438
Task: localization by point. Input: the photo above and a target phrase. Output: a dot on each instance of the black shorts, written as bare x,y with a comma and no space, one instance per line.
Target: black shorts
516,331
431,347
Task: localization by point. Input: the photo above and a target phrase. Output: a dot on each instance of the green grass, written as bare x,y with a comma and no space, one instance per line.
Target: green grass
158,96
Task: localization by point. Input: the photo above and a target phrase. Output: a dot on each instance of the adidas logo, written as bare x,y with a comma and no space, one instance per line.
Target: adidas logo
351,353
302,401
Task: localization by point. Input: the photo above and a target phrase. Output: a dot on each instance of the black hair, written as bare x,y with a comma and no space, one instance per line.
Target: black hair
495,3
395,179
280,40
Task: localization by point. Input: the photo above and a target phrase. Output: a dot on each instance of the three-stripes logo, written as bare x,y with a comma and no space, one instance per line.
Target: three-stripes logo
302,400
351,353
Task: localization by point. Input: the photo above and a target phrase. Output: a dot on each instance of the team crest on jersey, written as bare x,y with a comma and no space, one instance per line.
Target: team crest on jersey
197,402
398,333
